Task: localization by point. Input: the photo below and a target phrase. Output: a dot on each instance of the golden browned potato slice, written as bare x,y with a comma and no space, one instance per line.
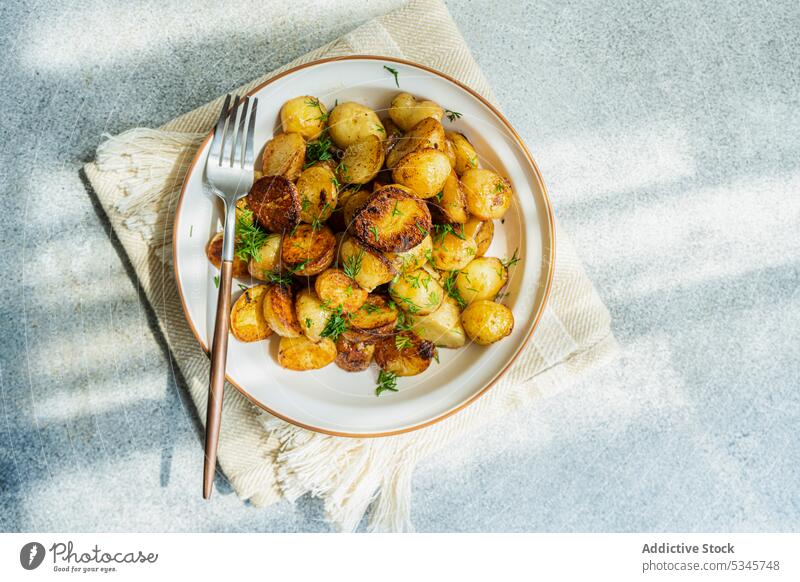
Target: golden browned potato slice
406,111
427,134
487,322
424,171
301,354
376,318
317,189
481,279
443,326
305,115
413,258
392,220
351,122
311,314
268,258
417,292
362,161
247,316
353,356
488,193
452,249
284,155
279,311
214,254
405,354
275,203
337,290
451,204
466,156
368,267
481,231
353,204
307,251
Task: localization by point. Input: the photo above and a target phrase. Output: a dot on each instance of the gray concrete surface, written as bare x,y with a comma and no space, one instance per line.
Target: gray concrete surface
669,135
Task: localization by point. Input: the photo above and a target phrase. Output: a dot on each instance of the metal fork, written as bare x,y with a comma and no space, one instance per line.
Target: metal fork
229,170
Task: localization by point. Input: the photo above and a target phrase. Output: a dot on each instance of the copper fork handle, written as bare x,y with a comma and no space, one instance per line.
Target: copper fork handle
219,353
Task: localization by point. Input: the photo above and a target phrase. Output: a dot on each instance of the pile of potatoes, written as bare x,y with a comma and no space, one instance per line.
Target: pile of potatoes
375,234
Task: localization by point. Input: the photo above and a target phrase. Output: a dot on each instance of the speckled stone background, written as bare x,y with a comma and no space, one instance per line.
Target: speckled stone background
669,135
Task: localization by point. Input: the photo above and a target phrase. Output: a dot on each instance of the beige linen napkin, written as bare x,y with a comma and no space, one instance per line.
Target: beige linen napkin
137,177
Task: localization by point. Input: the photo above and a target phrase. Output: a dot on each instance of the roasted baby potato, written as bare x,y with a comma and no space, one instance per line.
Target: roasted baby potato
317,189
268,258
452,249
300,353
443,326
392,220
465,154
413,258
481,279
247,316
487,322
488,193
373,320
279,311
307,251
351,122
214,254
417,292
405,354
427,134
362,161
451,205
406,111
284,155
424,171
368,267
275,203
337,290
481,231
304,115
311,314
353,356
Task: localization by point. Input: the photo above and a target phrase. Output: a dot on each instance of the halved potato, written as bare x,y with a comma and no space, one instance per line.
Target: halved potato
392,220
307,251
406,111
488,193
417,292
376,318
481,231
487,322
317,190
311,314
451,205
481,279
369,268
301,354
214,254
405,353
247,316
427,134
336,290
452,249
279,311
424,171
413,258
351,122
269,258
284,155
362,161
353,356
275,203
443,326
305,115
466,156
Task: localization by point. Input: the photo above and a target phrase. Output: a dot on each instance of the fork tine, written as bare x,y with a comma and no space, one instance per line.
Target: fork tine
251,130
227,139
239,143
215,150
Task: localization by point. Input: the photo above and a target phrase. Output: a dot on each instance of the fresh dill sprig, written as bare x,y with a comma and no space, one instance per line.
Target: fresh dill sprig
394,74
216,281
386,381
314,102
336,325
513,260
250,238
402,342
449,285
370,308
278,278
320,150
352,264
452,115
441,230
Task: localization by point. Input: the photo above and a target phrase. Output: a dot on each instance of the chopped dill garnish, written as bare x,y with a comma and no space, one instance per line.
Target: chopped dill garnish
441,230
216,281
250,238
402,342
374,231
308,322
386,381
319,150
314,102
243,287
449,285
452,115
278,278
352,264
513,260
394,74
336,325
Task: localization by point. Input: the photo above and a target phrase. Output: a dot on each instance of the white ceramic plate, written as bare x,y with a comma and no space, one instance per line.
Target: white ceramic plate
331,400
